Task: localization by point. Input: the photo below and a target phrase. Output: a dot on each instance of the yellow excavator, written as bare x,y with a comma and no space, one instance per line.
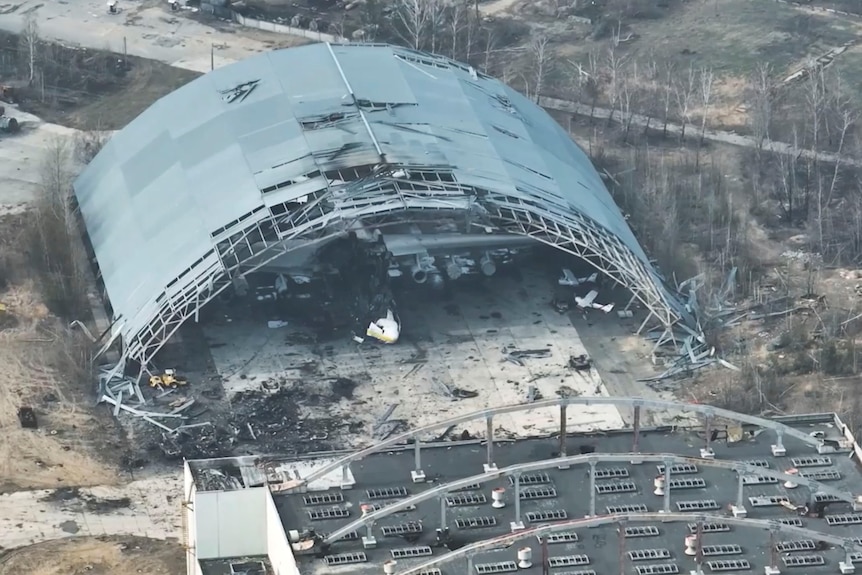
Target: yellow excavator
168,379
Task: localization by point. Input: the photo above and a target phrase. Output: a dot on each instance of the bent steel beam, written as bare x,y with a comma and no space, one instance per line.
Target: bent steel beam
504,541
705,410
592,458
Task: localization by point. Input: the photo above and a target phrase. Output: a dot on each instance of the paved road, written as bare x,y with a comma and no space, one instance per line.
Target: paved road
694,132
28,517
149,28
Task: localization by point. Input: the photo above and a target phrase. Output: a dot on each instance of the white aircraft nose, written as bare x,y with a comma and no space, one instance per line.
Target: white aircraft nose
385,329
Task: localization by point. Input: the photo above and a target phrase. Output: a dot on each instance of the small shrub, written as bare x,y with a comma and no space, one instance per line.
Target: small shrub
88,144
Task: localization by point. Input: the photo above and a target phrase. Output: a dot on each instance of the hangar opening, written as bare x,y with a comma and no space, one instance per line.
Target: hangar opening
347,181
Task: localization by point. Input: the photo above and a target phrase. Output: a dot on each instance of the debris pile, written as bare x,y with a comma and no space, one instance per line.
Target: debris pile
267,420
717,314
691,350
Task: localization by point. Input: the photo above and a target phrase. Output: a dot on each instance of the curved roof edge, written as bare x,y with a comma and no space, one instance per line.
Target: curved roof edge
217,161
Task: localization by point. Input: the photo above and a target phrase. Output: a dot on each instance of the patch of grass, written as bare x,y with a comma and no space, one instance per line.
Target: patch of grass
741,35
731,37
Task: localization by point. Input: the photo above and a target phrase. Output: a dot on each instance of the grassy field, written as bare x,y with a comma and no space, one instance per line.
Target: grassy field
730,36
849,65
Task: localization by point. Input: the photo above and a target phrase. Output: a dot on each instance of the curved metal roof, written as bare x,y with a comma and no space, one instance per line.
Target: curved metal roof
171,197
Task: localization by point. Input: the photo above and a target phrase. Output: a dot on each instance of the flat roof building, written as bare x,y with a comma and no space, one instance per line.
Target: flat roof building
739,494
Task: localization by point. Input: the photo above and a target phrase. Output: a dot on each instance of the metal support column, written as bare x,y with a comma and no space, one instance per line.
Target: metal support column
489,438
417,474
346,481
621,533
563,416
592,489
740,487
469,564
636,427
848,556
707,428
517,524
698,556
443,512
778,448
546,564
773,552
667,474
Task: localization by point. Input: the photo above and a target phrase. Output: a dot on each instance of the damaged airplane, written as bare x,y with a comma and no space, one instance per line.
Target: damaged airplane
431,252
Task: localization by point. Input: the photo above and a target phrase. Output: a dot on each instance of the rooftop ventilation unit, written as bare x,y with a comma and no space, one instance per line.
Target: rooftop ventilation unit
657,569
803,560
641,531
811,461
756,463
711,527
345,558
679,468
612,473
728,565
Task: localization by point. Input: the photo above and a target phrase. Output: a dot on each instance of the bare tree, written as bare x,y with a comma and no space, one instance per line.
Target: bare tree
413,15
614,67
30,41
684,90
706,77
650,78
591,85
668,92
53,233
490,41
789,192
436,11
761,113
629,97
848,119
88,143
541,60
815,98
457,15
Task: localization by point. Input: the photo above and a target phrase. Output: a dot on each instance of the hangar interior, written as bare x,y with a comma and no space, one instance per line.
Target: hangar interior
371,164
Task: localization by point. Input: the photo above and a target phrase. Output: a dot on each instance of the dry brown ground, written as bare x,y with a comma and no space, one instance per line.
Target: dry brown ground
96,556
148,81
61,452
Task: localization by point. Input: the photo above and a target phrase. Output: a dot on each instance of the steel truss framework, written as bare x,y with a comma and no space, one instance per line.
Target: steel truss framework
261,236
668,459
470,551
709,413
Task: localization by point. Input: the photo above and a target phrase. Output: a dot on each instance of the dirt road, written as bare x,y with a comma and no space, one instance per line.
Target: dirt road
693,132
145,508
145,28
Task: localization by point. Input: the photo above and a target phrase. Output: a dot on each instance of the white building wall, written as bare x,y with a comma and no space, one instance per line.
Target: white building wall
231,523
277,544
189,531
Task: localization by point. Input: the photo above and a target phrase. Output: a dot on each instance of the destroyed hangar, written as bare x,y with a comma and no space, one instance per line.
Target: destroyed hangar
739,494
369,162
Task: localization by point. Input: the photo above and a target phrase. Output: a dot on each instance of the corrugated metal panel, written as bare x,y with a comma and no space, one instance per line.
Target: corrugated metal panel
364,66
201,156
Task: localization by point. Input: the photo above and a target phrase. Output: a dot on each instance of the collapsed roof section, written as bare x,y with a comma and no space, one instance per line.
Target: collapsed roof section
300,143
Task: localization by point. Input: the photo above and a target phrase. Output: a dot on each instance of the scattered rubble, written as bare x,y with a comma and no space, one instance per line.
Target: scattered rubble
517,356
71,498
